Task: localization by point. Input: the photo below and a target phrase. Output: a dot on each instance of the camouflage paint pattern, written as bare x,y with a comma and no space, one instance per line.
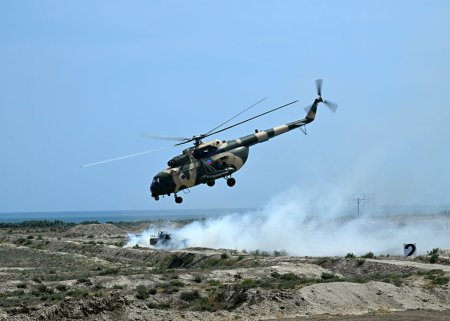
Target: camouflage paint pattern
216,159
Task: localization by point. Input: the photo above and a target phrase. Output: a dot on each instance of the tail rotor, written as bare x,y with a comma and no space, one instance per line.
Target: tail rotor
331,105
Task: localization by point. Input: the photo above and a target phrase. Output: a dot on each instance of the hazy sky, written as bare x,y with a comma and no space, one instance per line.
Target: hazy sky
81,81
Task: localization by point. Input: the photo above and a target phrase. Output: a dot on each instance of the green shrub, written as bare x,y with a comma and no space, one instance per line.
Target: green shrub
433,251
210,262
61,287
434,258
40,289
280,253
176,283
248,283
350,256
190,296
431,272
214,282
89,222
159,306
37,223
368,255
142,292
98,286
198,279
440,280
78,293
21,285
51,296
109,271
394,279
85,281
328,276
360,262
289,276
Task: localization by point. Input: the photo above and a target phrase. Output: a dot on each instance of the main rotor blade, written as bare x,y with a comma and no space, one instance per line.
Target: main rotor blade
331,105
176,139
126,156
249,107
244,121
319,87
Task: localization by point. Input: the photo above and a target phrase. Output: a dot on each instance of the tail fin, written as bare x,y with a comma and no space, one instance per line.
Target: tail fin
312,111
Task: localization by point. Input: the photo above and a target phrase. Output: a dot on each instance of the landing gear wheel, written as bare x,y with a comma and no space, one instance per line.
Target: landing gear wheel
231,182
211,183
156,198
178,199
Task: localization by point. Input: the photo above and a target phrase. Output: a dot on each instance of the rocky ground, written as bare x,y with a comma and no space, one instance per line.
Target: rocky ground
63,272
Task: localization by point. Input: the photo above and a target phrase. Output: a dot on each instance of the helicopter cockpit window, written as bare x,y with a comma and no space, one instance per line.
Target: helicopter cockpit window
204,152
156,180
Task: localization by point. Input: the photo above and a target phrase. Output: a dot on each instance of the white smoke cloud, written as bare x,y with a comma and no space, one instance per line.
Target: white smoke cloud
303,223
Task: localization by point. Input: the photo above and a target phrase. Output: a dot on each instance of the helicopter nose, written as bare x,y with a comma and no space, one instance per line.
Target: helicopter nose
162,184
153,189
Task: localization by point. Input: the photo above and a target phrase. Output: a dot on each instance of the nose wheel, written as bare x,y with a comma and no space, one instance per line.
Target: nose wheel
211,183
178,199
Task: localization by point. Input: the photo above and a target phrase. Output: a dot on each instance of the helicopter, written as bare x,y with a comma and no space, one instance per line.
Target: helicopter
205,162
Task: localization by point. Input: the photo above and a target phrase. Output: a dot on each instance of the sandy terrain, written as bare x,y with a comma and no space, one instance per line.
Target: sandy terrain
410,315
84,273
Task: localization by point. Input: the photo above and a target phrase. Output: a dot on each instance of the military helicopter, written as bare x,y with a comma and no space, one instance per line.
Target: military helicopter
205,162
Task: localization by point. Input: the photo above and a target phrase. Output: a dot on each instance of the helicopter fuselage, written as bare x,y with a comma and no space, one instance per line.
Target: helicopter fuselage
205,163
199,165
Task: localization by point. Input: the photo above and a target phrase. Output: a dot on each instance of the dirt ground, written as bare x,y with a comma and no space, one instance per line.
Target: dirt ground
411,315
84,272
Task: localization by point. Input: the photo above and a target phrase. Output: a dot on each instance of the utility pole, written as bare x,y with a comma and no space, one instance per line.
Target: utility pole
360,199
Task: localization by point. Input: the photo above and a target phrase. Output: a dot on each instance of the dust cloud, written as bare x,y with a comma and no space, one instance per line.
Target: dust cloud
307,224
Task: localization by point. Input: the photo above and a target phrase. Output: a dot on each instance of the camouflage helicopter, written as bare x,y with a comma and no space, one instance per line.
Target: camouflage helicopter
205,162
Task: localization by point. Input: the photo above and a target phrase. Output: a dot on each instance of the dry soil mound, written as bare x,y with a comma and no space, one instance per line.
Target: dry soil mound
96,230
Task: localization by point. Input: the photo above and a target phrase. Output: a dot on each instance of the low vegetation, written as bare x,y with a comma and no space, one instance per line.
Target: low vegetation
368,255
55,266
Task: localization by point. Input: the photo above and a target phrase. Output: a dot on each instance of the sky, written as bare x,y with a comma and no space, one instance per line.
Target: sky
83,81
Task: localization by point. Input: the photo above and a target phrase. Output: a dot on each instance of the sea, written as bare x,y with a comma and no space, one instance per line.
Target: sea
119,215
186,214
